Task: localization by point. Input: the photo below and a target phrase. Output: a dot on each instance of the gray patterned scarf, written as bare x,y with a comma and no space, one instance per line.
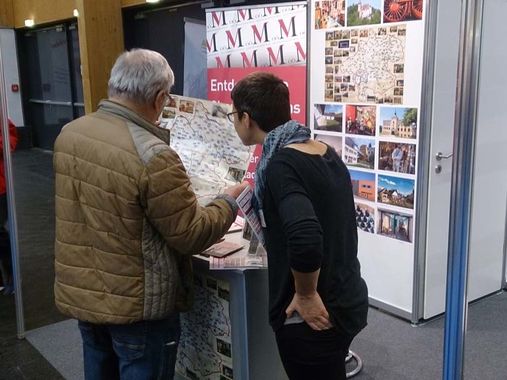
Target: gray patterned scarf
289,133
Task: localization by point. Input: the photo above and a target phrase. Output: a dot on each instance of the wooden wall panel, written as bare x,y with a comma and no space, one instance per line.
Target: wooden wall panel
100,42
42,11
130,3
7,13
13,13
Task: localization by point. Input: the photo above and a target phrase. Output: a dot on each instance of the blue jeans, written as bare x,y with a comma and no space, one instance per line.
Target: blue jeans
138,351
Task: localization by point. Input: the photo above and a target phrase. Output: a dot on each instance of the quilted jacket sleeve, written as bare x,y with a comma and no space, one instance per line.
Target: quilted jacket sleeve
172,208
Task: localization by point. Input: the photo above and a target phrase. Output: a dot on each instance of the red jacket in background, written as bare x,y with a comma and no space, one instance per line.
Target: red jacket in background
13,140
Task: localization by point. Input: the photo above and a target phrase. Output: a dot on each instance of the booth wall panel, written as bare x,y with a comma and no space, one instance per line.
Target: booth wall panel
386,251
11,73
100,41
40,12
487,235
7,13
442,126
130,3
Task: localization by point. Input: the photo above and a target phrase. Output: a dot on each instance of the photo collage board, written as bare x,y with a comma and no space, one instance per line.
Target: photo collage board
366,63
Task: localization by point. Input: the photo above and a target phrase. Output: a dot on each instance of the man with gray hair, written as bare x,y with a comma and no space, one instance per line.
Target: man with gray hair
127,223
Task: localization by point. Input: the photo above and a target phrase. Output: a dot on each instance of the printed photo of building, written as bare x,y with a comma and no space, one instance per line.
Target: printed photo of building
363,12
395,225
361,120
396,191
328,117
363,184
398,122
359,152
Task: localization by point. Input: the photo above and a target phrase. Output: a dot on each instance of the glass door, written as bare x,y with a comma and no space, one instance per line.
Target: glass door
53,96
52,81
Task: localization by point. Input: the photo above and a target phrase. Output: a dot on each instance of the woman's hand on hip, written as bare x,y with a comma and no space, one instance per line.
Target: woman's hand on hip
311,309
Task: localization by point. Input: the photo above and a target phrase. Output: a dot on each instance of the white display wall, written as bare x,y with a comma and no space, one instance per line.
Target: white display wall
488,234
366,65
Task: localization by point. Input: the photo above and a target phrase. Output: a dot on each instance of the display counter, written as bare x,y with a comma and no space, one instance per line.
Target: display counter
227,335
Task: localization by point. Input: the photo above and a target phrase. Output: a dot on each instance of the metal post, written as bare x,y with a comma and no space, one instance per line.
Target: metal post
11,205
504,263
424,159
461,188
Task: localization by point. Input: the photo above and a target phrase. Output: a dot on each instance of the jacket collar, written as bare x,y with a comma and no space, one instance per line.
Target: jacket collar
108,106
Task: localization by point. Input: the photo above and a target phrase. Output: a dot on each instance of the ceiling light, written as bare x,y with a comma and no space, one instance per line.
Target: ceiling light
75,13
29,23
152,1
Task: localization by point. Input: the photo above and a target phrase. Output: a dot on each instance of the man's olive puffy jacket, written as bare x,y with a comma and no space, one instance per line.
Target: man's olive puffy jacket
127,220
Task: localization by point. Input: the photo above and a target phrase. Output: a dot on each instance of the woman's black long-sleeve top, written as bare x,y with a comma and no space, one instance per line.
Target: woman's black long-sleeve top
311,224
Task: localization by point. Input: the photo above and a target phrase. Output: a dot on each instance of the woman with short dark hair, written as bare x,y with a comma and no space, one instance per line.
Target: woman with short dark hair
318,301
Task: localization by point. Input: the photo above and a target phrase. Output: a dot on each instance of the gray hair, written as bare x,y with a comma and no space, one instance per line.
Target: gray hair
139,75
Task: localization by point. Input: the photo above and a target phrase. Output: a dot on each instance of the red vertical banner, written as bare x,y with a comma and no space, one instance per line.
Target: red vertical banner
221,82
269,38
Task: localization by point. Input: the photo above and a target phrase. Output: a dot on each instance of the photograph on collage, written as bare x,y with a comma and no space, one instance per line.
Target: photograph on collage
220,111
397,157
365,218
328,117
359,152
224,347
403,10
364,12
335,142
227,372
187,106
363,184
360,120
395,225
396,191
329,14
398,122
168,113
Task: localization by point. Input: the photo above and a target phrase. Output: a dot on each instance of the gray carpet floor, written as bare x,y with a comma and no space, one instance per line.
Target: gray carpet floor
391,349
60,344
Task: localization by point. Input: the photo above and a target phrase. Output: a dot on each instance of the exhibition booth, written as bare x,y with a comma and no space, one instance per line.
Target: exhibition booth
377,81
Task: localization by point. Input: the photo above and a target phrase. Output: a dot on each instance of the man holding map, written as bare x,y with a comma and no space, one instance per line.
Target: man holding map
127,223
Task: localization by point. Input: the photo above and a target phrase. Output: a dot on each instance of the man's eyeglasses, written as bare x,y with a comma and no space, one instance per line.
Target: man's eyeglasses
230,117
